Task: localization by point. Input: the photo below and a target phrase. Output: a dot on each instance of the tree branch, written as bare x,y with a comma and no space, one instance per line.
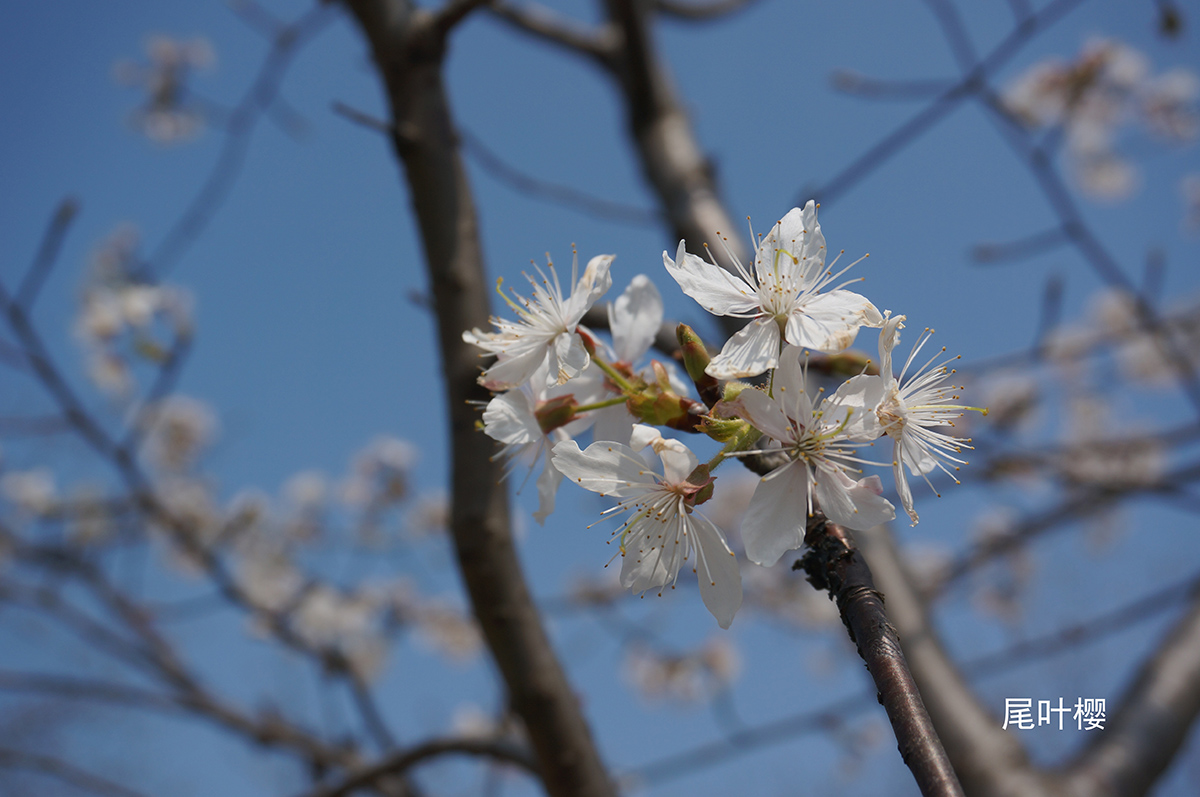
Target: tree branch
425,142
61,770
1151,722
401,761
700,12
552,28
833,563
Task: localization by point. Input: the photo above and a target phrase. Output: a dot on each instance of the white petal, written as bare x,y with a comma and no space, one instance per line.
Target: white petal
605,467
902,488
778,515
799,236
594,283
750,352
717,571
829,322
570,356
889,336
916,456
764,414
717,291
635,318
509,419
791,390
513,371
547,487
642,436
849,503
678,461
861,394
652,555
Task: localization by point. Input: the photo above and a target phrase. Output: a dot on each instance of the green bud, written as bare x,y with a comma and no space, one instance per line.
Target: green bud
695,360
721,429
734,389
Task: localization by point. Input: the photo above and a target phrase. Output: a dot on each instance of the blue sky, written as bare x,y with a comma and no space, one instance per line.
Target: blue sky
309,342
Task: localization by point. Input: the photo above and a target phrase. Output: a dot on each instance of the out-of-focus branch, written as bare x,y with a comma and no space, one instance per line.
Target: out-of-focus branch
1089,246
1151,722
454,12
154,656
672,160
1028,246
859,85
47,253
941,106
700,12
916,637
1080,504
988,760
553,28
66,772
404,760
239,128
408,52
833,563
554,192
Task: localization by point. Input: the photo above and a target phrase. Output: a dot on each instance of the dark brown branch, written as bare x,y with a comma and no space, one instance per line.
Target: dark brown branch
409,58
404,760
453,13
834,564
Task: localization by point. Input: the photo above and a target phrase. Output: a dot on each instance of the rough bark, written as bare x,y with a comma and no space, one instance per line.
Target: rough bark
408,45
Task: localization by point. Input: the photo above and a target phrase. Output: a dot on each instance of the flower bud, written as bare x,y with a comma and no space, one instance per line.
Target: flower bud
695,360
720,429
555,412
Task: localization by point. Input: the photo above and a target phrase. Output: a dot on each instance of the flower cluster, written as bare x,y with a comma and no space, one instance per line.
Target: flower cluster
555,379
169,115
1107,86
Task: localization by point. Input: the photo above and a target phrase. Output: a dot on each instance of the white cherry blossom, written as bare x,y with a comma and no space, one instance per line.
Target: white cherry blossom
545,332
819,436
511,419
662,531
788,297
910,410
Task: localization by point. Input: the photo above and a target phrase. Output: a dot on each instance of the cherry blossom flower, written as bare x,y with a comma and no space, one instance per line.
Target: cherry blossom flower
634,320
910,410
662,531
784,297
512,419
819,438
545,332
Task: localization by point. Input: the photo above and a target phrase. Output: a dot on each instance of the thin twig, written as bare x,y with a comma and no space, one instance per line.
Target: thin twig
47,253
58,769
242,121
404,760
